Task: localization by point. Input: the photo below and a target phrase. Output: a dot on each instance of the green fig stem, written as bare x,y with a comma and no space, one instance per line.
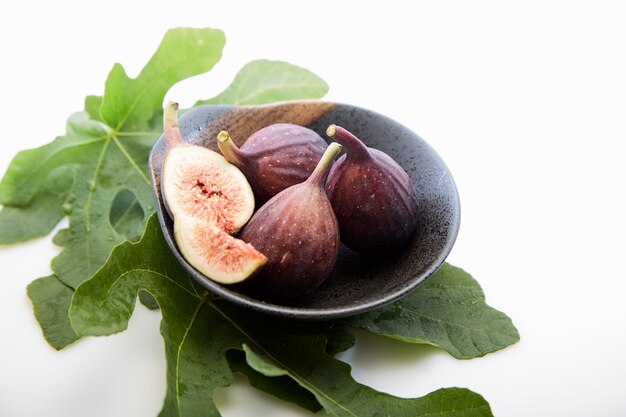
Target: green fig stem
319,174
170,125
355,149
231,152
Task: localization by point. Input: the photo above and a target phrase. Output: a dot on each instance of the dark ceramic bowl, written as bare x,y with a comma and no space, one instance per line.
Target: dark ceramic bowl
357,284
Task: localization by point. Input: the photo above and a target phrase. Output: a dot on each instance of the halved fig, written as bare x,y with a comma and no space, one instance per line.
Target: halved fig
201,183
209,199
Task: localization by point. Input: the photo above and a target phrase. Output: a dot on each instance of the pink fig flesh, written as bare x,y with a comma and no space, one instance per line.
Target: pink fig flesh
201,183
215,253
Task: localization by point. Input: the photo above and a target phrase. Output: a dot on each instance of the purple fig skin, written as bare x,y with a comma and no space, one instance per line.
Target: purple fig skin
298,233
275,157
373,197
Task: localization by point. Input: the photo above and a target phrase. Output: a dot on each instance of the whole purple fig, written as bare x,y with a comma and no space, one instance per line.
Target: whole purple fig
373,197
298,233
275,157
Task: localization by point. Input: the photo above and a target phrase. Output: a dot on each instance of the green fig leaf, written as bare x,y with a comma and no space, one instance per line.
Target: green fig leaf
263,81
284,388
92,107
51,301
448,311
199,329
131,104
40,217
330,381
106,149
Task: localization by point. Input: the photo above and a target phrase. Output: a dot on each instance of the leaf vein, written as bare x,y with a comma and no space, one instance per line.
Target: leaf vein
41,164
130,271
178,352
131,160
449,323
301,379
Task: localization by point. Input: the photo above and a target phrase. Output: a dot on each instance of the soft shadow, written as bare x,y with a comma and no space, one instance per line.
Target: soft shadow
380,351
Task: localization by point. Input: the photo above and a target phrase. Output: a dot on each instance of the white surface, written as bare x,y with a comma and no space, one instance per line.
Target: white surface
525,103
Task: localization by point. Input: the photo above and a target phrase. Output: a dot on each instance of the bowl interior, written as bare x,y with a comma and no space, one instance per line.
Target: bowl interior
357,284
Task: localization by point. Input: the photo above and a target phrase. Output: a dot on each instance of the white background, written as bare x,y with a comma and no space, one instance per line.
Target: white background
525,102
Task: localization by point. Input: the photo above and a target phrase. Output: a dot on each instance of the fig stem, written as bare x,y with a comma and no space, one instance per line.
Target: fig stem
170,125
231,152
319,174
355,149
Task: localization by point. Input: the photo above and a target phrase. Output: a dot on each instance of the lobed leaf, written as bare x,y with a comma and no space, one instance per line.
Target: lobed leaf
196,364
448,311
330,381
130,104
198,330
106,150
264,81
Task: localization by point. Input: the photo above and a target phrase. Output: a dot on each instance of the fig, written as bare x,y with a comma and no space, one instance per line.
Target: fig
298,232
275,157
208,199
372,196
